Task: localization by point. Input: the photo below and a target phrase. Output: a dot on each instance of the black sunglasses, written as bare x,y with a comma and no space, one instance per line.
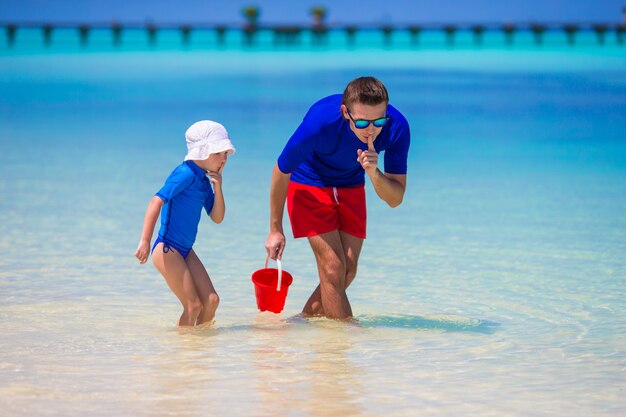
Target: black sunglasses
363,123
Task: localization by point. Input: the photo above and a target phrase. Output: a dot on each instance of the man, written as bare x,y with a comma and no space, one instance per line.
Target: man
321,174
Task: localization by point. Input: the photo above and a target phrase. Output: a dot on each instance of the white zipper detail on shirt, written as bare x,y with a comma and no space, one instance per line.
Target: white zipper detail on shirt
336,194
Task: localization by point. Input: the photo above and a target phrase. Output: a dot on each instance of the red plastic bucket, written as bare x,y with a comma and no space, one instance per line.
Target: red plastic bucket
270,293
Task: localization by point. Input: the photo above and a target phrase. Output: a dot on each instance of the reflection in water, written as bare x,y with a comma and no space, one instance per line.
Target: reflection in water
307,368
274,365
336,381
182,372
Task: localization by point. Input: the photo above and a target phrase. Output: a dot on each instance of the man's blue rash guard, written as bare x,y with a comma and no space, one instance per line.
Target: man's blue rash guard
323,150
185,192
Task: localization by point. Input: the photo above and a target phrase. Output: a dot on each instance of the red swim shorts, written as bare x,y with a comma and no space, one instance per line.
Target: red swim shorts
316,210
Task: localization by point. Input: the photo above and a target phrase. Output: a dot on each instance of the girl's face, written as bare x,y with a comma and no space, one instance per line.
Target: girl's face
215,162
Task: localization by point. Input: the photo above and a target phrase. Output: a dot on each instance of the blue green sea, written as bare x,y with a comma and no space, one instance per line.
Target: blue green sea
497,288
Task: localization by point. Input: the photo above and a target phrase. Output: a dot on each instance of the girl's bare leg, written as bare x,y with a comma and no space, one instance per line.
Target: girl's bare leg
208,296
180,280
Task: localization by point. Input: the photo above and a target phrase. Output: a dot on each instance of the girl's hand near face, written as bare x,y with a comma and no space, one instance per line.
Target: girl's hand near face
216,176
219,208
217,162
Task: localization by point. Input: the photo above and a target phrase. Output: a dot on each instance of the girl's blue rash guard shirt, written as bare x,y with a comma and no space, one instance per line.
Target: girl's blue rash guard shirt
323,150
184,193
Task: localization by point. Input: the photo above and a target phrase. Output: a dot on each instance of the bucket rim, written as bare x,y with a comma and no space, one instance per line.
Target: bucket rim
286,281
271,269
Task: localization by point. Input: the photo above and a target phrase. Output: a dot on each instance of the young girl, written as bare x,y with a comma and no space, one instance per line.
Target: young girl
180,201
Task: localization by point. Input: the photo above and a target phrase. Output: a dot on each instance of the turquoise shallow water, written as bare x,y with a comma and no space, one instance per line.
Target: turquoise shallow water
497,288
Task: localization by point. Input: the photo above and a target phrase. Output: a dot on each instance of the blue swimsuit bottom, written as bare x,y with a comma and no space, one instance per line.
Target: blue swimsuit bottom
168,246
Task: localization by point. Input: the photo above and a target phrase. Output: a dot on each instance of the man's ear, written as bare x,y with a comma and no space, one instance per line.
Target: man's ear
344,111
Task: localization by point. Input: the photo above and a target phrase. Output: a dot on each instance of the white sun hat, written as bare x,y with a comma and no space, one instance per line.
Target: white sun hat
206,137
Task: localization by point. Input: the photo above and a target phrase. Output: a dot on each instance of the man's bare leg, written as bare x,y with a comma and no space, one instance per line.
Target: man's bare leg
351,249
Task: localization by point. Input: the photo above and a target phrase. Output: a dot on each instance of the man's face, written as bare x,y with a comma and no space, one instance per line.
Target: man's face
366,112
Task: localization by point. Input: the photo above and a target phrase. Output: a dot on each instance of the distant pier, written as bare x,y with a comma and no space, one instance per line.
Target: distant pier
319,32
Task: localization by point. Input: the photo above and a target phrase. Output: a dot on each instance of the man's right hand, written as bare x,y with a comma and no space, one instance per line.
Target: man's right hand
275,245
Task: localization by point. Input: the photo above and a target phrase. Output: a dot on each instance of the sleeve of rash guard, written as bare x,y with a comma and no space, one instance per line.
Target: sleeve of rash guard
396,156
174,184
301,144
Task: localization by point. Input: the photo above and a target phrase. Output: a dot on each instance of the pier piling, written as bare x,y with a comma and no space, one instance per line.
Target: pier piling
185,34
116,31
47,34
11,31
387,31
478,31
570,31
509,32
351,34
450,31
538,31
83,34
415,34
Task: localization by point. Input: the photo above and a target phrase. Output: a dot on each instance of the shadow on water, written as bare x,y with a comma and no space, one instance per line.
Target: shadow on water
448,323
266,322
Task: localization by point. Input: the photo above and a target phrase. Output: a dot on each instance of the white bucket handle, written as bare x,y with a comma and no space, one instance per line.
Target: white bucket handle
280,271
